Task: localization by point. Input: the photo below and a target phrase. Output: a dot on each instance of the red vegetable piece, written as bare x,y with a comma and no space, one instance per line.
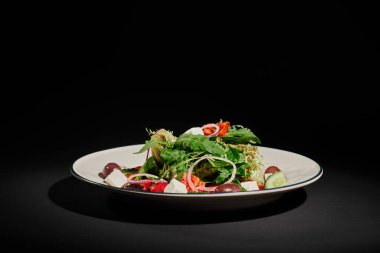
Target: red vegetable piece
158,187
196,181
208,131
146,186
223,128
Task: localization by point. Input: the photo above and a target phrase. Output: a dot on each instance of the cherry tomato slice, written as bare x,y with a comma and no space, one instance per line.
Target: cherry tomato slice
158,187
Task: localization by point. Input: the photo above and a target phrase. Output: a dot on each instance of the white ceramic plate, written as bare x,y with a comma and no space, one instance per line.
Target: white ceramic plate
299,170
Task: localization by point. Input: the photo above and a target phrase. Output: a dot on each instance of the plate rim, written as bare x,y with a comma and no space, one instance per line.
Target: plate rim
197,195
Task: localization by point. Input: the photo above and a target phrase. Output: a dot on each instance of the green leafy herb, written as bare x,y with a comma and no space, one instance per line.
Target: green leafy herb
242,170
223,175
171,156
240,135
235,155
199,143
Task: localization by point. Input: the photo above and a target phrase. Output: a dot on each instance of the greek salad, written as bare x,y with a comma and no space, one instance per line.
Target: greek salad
213,158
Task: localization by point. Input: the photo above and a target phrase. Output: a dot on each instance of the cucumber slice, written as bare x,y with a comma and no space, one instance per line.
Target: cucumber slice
277,179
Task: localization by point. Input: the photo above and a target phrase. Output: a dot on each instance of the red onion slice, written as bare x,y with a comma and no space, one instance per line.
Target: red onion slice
144,181
202,188
147,154
215,133
206,189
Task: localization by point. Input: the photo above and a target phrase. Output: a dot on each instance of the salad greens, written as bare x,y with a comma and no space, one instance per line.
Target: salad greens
214,158
240,134
173,156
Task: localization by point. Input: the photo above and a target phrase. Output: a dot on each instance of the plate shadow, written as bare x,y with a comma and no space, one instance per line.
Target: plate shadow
86,199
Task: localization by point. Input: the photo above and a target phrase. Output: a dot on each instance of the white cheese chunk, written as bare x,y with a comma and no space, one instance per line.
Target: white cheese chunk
266,175
116,178
175,186
250,185
195,131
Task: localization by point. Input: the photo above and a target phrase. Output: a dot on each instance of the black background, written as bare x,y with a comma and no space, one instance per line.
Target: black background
83,78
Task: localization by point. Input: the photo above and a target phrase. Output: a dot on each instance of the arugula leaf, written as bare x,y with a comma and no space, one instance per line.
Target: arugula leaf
235,155
223,175
242,170
199,143
170,156
240,135
149,166
181,169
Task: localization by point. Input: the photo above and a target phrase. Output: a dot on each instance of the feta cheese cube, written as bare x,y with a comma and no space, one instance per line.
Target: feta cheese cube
266,175
195,131
175,186
116,178
250,185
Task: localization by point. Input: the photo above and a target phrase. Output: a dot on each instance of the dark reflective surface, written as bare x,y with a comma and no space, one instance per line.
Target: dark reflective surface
82,198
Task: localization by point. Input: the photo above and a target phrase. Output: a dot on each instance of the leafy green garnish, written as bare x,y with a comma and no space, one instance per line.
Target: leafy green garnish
171,156
149,166
242,170
199,143
224,174
240,135
235,155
